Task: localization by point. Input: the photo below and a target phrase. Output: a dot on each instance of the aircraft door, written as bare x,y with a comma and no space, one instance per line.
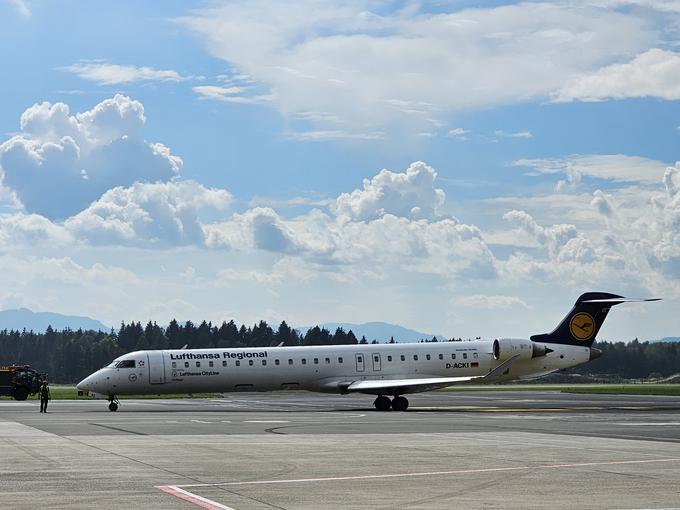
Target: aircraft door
360,362
376,362
156,367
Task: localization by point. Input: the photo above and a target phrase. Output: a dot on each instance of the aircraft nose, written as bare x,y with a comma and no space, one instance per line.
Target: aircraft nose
87,384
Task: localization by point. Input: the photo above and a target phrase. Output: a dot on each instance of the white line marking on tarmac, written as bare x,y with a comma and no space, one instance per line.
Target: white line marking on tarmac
438,473
190,497
266,421
648,424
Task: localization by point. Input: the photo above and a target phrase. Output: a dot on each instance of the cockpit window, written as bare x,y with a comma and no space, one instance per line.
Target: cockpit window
126,363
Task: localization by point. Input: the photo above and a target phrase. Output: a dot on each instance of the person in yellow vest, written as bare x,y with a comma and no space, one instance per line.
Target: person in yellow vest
44,394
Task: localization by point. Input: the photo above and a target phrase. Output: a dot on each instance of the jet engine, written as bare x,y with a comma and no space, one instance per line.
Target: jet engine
505,348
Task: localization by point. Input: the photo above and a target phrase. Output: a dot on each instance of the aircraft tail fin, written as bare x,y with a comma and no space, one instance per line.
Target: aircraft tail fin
585,319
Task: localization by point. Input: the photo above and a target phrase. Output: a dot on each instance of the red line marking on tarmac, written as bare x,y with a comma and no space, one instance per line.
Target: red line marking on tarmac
190,497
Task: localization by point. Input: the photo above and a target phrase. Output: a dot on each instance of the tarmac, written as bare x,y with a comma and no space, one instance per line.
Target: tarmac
296,450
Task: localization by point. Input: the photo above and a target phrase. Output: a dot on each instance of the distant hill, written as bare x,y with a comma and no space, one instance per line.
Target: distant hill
666,339
23,318
381,331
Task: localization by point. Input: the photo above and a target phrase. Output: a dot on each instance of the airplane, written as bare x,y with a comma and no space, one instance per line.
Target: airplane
384,370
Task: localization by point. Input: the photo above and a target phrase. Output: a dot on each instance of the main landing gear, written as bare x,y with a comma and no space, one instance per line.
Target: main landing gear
382,403
113,403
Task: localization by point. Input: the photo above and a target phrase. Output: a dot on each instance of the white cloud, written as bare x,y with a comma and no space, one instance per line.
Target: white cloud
389,225
21,6
322,136
260,228
602,203
654,73
161,214
516,134
614,167
485,302
61,270
637,246
555,237
374,69
59,162
20,229
103,73
671,6
458,133
410,194
231,94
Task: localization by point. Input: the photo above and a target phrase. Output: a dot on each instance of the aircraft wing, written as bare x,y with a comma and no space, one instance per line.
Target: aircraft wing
401,386
407,385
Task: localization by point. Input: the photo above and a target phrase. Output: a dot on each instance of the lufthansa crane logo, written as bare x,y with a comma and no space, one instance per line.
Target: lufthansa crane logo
582,326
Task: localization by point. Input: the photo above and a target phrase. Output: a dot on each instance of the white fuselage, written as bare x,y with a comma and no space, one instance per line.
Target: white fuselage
315,368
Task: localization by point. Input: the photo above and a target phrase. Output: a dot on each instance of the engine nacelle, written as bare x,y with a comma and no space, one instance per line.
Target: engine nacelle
506,348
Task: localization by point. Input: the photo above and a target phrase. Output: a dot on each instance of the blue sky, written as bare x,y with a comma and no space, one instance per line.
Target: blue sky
454,167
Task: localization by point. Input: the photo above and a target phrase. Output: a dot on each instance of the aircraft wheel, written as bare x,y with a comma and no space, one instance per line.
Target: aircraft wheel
113,407
399,403
382,403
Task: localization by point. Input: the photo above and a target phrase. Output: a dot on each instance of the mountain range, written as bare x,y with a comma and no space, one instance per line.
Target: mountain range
380,331
23,318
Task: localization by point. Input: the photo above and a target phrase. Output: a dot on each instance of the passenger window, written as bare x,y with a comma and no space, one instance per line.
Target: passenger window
465,355
475,355
389,358
290,361
441,356
186,364
403,358
264,362
250,362
211,364
339,360
415,357
328,361
427,356
174,364
224,363
276,362
198,364
238,363
316,361
304,361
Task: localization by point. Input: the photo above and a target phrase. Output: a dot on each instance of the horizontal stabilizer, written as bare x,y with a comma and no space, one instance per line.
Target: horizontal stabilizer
616,301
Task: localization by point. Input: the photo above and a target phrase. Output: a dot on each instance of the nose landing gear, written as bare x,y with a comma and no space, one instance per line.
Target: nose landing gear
113,403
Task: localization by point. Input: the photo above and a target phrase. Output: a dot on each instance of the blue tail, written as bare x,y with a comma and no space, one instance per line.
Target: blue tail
582,323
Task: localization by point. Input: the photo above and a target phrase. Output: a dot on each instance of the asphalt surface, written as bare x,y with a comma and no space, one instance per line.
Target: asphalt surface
291,450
